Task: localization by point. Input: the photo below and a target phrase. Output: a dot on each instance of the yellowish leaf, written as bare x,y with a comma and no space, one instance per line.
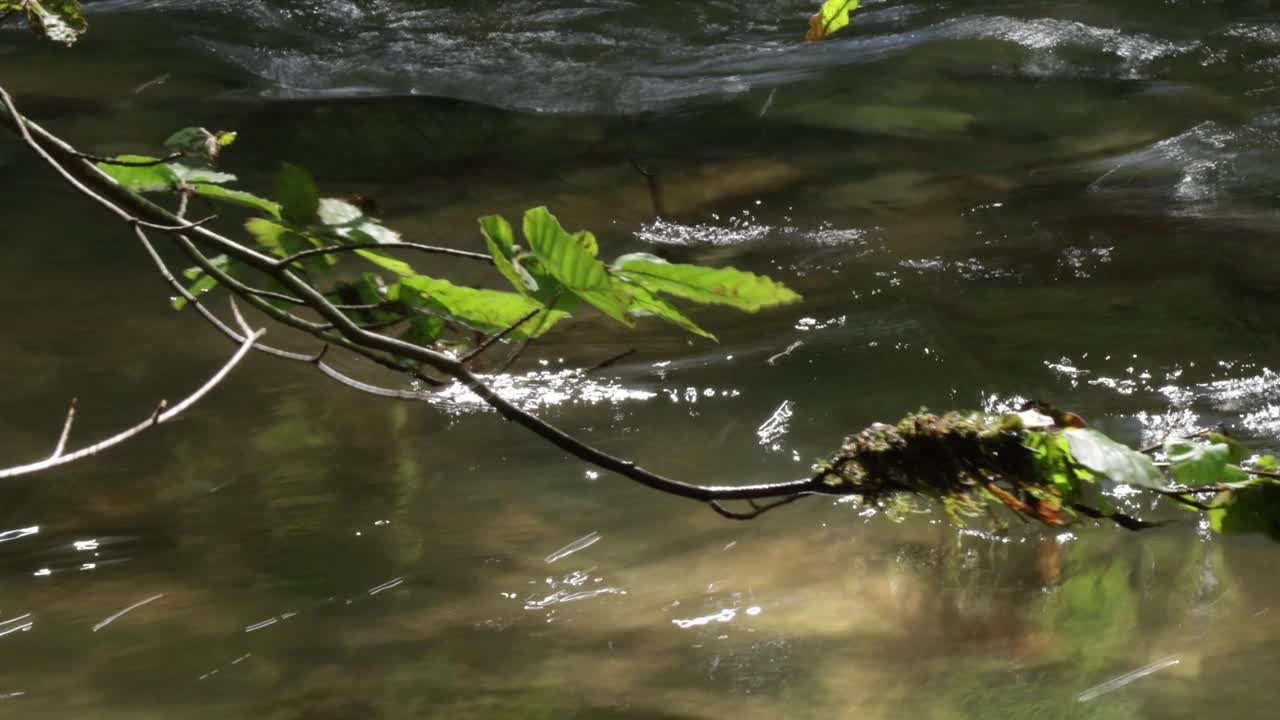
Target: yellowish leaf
833,16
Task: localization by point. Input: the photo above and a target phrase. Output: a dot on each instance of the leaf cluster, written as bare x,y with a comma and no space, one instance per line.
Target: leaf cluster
58,20
553,273
1050,470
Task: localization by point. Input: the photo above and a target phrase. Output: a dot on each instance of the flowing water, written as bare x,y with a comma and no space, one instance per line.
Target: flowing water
981,201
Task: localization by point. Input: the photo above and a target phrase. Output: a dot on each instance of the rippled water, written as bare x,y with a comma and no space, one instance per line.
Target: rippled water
982,202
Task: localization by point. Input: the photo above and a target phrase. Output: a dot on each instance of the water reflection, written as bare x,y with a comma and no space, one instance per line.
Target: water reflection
982,205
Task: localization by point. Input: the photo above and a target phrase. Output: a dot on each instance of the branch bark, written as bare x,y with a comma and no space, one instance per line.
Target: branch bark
161,414
132,208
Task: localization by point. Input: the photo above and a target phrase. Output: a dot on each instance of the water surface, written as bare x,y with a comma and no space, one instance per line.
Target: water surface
982,202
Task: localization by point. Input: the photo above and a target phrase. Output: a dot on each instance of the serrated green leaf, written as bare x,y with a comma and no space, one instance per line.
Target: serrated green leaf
141,179
197,142
588,242
1119,463
566,259
201,281
370,232
398,267
336,211
487,310
424,330
267,233
225,137
497,230
1196,463
297,194
348,221
200,175
202,285
1252,509
721,286
1239,453
236,197
188,139
644,302
498,238
1235,475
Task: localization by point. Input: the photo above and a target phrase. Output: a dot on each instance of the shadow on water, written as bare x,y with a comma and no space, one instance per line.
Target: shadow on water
980,204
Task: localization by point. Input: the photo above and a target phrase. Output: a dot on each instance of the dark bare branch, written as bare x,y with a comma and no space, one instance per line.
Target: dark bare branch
610,361
129,163
112,196
757,509
418,247
489,341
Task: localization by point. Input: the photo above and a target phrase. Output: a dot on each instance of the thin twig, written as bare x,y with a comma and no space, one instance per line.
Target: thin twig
314,359
419,247
157,417
1151,449
757,509
66,431
1181,496
363,341
129,163
1127,522
489,341
173,228
652,182
609,361
375,325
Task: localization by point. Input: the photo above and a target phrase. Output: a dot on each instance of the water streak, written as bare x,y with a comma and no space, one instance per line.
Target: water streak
1129,677
112,618
581,543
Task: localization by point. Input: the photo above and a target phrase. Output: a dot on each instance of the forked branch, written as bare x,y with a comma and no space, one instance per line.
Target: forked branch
163,413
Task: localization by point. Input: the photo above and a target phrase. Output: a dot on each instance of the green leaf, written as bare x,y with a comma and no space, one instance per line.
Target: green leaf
141,179
297,194
202,285
1236,475
370,232
1239,453
722,286
1104,456
1196,463
588,242
267,233
1252,509
236,197
202,282
644,302
398,267
349,222
336,211
832,16
424,330
497,230
200,175
199,142
501,244
58,20
487,310
566,258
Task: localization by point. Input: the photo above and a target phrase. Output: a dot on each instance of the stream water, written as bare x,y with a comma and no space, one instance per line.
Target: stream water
982,202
